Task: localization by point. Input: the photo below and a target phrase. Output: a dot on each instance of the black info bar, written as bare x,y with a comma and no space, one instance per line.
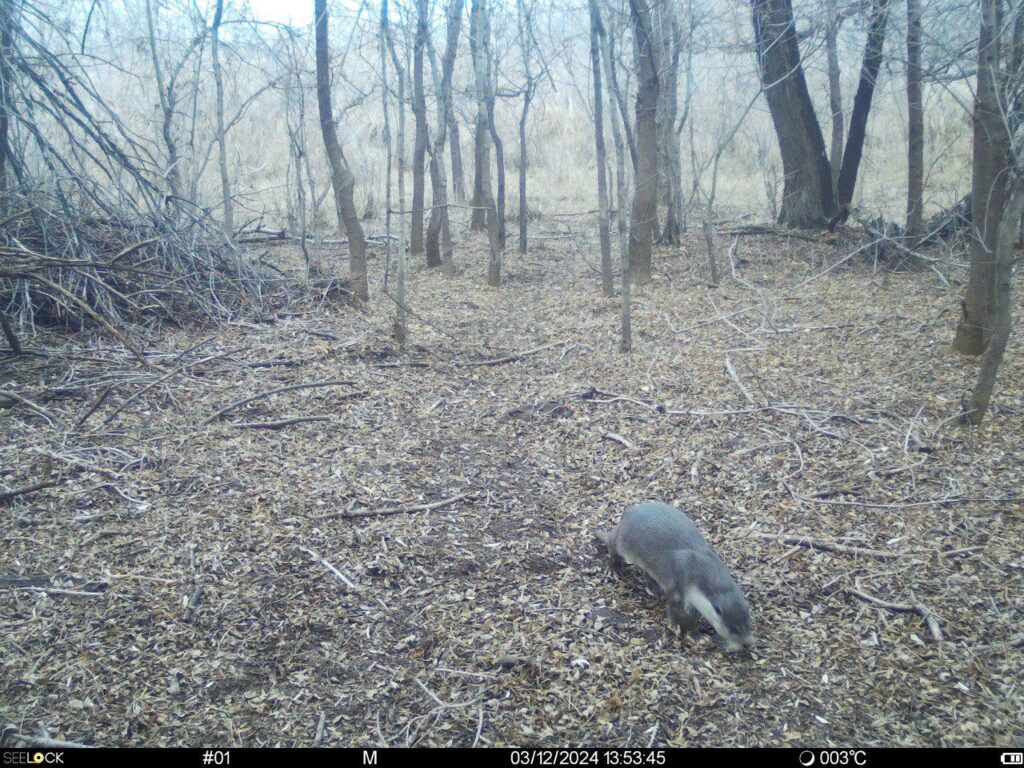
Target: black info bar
209,757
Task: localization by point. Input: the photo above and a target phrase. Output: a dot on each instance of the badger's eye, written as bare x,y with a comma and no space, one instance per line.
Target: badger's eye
718,610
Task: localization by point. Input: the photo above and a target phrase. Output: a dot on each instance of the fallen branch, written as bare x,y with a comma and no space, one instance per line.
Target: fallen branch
193,602
14,492
29,740
323,561
509,358
929,618
278,424
809,543
397,510
278,390
617,438
735,377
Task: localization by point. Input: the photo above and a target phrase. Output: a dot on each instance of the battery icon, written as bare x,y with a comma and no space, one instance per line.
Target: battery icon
1012,758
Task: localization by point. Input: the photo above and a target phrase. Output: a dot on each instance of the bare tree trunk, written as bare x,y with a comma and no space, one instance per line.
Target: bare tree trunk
439,225
620,101
6,54
1001,305
988,188
173,171
641,228
481,138
419,107
499,161
915,124
596,31
670,51
835,93
525,20
399,328
621,195
807,198
483,197
218,79
862,106
455,147
341,177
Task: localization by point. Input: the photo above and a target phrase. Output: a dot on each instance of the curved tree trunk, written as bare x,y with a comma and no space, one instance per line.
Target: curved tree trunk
807,198
341,177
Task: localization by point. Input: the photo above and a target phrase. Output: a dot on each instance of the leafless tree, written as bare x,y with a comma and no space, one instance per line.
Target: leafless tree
641,228
485,209
218,79
342,179
596,33
915,124
439,226
419,108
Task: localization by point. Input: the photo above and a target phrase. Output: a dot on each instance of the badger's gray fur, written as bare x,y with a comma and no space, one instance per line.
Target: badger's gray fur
664,543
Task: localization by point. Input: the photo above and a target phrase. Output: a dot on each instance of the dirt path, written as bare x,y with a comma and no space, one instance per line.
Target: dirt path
493,619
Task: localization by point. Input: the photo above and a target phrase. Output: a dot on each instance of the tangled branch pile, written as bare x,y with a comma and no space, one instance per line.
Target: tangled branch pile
113,272
88,234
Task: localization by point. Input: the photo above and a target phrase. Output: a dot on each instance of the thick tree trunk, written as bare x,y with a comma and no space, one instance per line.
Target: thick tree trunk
862,106
218,79
439,225
419,152
641,228
1001,305
596,30
988,188
915,125
807,198
342,179
399,326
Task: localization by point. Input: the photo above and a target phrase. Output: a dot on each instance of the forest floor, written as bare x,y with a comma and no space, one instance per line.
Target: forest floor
333,612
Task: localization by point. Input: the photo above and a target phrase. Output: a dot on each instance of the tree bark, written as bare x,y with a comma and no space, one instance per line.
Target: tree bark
596,31
862,106
669,162
419,152
915,125
399,326
218,79
167,98
526,46
342,179
807,198
641,229
439,225
991,158
1001,305
835,93
6,55
621,195
455,147
483,197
